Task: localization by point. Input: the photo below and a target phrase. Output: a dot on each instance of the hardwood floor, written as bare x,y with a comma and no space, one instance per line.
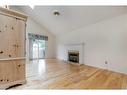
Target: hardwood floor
56,74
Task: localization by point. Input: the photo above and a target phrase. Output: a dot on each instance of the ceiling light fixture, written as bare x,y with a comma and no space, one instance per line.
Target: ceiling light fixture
56,13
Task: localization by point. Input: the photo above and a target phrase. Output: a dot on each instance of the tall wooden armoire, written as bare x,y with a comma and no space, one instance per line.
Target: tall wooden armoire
12,48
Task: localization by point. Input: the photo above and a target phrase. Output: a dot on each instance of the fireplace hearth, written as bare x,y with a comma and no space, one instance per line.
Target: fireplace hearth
73,56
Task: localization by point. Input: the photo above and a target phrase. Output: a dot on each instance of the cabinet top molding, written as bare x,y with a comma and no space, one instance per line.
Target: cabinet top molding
12,13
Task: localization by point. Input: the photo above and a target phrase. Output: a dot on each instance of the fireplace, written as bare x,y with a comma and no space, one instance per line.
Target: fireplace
73,56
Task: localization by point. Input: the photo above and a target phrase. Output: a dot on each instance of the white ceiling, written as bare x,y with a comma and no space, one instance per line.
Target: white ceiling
71,17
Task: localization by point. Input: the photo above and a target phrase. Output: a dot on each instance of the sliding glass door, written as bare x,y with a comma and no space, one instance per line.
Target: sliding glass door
37,48
41,49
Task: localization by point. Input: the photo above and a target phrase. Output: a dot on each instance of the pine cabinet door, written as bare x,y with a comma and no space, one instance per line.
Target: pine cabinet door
7,72
4,34
20,69
12,38
16,38
11,71
20,38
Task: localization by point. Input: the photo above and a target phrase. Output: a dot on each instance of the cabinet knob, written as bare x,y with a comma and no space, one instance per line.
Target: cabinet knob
1,52
1,80
12,28
9,55
19,65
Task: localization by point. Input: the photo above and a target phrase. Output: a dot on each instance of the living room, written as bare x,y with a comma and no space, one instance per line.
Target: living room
63,47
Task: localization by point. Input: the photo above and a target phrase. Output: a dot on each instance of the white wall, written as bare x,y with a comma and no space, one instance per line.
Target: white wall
104,41
34,27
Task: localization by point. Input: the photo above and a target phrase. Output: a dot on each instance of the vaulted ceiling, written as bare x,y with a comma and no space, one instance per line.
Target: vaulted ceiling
71,17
